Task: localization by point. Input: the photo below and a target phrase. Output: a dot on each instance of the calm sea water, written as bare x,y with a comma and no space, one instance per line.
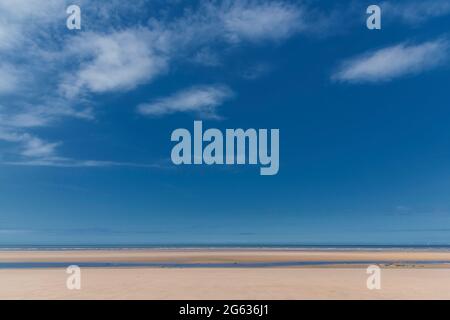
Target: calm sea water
226,246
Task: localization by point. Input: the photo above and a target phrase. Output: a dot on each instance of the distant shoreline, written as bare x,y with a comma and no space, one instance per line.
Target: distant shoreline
222,257
226,247
237,265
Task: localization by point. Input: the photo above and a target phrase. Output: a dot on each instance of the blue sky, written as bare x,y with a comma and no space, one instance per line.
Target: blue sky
86,118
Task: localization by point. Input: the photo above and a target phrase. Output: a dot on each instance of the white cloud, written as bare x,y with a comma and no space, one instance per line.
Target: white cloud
117,61
30,146
413,12
10,36
24,9
206,57
9,79
33,151
21,21
38,148
73,163
262,20
256,71
24,120
203,100
42,115
393,62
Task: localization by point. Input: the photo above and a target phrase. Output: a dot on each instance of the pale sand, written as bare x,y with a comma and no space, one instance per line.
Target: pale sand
225,283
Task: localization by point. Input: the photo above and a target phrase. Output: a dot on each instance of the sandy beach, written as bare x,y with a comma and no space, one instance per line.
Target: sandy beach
219,255
398,280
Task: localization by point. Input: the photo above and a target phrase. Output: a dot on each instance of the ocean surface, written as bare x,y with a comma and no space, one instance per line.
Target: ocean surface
227,246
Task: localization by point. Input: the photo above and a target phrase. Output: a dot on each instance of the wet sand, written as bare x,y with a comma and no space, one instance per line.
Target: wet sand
219,256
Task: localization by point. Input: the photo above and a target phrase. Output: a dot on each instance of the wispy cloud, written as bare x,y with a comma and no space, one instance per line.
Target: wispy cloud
9,78
30,146
33,151
260,21
60,162
9,36
115,62
202,100
206,57
24,9
394,62
256,71
414,12
118,54
41,115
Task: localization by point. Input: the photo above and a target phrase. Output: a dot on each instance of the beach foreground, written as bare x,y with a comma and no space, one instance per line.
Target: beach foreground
399,280
274,283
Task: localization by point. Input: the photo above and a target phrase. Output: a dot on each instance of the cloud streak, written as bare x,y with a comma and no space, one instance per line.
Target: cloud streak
393,62
30,146
414,12
202,100
273,21
9,78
